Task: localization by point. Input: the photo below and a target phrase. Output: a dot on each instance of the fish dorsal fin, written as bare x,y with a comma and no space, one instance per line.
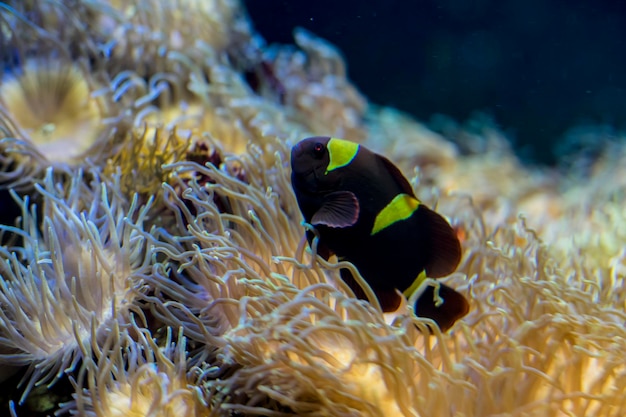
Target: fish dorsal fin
339,209
443,249
397,175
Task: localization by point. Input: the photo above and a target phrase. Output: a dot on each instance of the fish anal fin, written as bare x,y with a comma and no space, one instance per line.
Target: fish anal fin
453,308
443,249
339,209
347,277
389,300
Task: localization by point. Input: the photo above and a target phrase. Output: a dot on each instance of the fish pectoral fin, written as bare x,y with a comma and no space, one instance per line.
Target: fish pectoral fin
444,307
339,209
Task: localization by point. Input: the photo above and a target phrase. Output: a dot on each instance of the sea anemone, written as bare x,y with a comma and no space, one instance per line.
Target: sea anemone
542,337
221,229
234,115
129,377
142,155
50,111
63,29
315,87
66,280
50,117
150,33
317,352
206,99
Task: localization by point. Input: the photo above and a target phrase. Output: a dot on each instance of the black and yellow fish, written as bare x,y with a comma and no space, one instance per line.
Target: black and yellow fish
366,212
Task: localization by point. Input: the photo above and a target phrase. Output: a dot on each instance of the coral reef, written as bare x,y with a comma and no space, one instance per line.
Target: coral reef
153,260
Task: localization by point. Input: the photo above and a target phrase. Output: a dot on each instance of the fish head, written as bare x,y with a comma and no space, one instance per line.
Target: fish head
310,159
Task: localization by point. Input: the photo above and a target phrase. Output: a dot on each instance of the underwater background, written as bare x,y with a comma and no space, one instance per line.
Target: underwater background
153,257
548,73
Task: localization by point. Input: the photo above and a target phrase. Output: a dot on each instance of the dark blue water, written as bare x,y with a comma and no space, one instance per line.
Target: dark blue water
538,67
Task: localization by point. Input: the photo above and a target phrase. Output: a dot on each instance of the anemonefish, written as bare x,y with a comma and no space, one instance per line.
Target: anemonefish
365,211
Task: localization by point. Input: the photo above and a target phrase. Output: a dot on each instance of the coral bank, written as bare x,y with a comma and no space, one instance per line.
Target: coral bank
154,261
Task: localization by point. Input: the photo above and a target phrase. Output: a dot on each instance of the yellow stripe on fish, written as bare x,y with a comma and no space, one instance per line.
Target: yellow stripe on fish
415,285
341,153
400,208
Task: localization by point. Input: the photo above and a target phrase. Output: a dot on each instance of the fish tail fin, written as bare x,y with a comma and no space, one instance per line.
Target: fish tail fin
445,306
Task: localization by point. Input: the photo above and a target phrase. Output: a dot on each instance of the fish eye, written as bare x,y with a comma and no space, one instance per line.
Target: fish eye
318,150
